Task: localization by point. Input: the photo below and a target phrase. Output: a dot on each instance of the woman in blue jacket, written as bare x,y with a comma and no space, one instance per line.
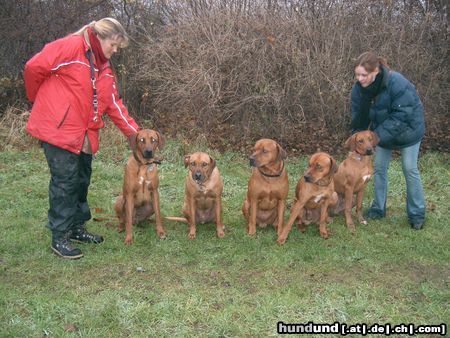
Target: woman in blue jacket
387,103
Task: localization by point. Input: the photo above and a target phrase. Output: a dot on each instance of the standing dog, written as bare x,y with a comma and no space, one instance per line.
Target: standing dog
314,190
354,173
203,194
140,197
268,187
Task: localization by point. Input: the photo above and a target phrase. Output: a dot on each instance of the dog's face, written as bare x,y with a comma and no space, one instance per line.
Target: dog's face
321,166
266,151
146,142
363,142
200,166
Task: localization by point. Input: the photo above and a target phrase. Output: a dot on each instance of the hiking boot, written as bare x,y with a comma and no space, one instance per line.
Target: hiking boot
62,247
82,236
417,225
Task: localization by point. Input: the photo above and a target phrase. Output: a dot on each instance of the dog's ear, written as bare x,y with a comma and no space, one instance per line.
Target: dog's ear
351,142
281,153
161,140
375,139
187,159
132,140
334,166
213,163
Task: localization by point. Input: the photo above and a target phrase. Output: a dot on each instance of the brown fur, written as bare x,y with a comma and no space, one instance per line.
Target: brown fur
314,190
203,194
353,175
140,198
266,196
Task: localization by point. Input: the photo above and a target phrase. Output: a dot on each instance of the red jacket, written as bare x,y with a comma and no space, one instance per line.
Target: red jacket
58,82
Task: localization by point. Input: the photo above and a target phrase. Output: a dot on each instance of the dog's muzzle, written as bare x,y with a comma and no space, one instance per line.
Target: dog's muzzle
197,176
308,179
252,162
147,154
369,151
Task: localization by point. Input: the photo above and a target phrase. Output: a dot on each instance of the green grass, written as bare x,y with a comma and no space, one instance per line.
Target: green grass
235,286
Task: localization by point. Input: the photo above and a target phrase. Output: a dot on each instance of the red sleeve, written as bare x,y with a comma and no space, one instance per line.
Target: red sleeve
41,65
37,69
119,113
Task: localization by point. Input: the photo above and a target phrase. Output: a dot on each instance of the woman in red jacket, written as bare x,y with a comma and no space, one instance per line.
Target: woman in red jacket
71,85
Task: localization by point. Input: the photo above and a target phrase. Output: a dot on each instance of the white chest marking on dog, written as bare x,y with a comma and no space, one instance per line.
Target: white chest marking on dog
318,198
141,180
150,167
366,178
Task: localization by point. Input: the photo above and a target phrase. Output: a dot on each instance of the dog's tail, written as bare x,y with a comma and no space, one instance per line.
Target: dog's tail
176,219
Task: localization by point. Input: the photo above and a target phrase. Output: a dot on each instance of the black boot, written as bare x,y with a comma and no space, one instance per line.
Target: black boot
62,247
80,235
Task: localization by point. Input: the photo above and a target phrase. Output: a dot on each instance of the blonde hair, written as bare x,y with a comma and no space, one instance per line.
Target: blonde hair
370,61
107,28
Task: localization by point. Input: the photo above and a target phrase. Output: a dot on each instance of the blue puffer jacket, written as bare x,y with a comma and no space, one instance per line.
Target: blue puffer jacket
396,113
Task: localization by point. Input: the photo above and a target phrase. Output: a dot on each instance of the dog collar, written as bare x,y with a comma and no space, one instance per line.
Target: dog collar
274,175
320,184
357,156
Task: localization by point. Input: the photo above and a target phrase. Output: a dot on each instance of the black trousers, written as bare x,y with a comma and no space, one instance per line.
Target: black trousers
68,189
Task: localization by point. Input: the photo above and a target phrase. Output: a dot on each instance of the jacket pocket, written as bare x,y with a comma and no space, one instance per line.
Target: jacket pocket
64,117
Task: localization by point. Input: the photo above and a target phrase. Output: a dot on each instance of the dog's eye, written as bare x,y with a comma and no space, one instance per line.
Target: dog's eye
360,141
192,164
153,140
142,140
204,164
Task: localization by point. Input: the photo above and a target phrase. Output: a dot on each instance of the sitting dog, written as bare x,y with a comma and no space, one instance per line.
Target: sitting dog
268,187
353,175
314,190
203,194
140,198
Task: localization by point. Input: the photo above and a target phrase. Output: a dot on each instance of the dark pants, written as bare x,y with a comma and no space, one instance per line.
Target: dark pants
68,189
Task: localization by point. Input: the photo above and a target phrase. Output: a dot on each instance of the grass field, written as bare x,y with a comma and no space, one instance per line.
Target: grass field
231,287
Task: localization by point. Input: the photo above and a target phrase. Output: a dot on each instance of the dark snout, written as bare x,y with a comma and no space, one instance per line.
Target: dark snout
252,161
197,176
308,178
147,153
369,151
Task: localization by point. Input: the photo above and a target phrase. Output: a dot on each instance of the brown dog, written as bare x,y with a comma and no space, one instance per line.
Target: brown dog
203,194
314,190
268,187
140,197
354,173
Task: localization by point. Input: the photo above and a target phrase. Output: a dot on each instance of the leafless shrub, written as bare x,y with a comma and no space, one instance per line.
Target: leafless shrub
12,129
236,70
284,71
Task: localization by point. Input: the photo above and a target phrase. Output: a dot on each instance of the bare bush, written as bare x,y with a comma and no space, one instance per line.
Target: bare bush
284,71
236,70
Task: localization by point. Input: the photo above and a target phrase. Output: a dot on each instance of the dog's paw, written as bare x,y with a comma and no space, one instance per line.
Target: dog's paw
220,233
281,240
128,240
324,234
161,234
351,227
